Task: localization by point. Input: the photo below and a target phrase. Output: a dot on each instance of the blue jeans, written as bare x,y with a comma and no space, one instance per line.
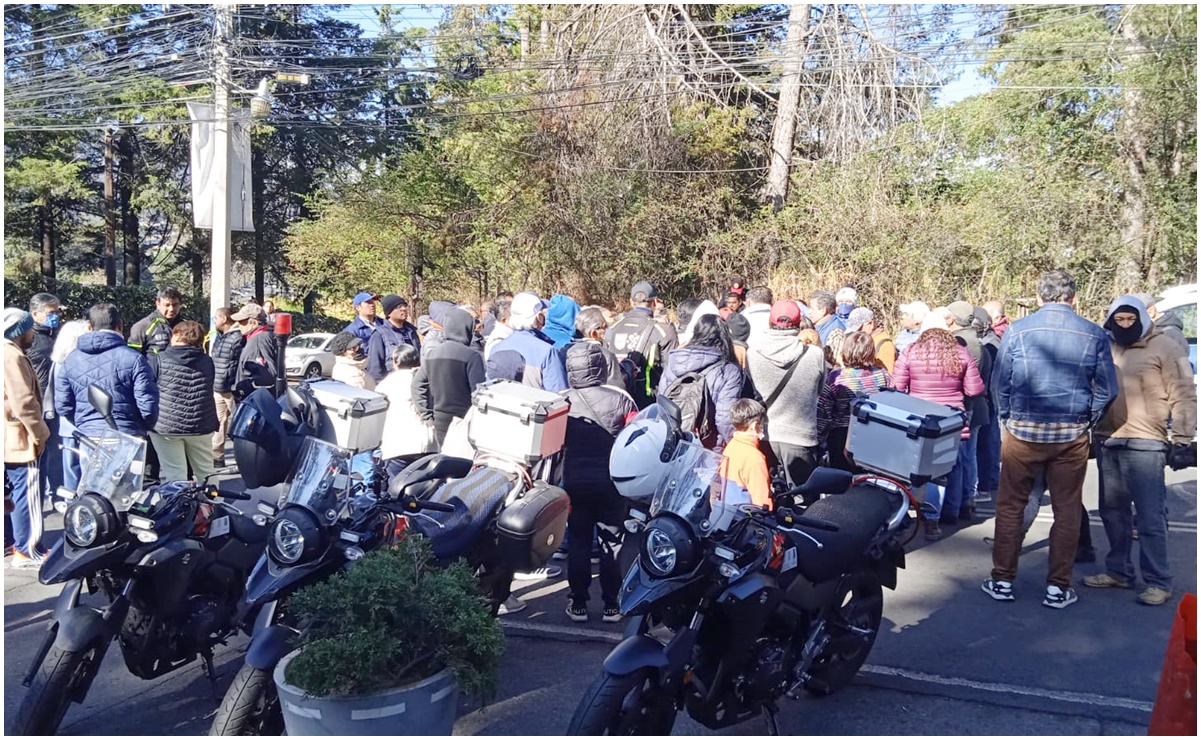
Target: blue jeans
51,462
961,482
72,463
1134,475
988,455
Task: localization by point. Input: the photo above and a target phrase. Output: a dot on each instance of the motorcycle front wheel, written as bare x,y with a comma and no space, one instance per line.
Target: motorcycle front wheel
624,705
250,707
862,609
60,677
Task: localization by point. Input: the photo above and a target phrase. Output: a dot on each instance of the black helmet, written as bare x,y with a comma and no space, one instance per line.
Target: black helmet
301,412
258,432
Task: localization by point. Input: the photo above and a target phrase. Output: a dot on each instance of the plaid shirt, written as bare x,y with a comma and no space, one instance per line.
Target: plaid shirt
1045,434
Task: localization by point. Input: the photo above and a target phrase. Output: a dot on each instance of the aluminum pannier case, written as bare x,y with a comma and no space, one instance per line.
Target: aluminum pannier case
517,422
904,437
350,417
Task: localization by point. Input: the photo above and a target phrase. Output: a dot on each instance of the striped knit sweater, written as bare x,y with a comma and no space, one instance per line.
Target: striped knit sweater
842,385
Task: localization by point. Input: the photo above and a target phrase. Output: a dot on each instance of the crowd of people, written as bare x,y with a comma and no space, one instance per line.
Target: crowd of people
770,382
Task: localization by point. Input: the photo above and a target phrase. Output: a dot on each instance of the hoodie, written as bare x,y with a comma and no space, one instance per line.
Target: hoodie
560,319
447,377
103,359
598,412
792,418
431,336
1155,381
1171,324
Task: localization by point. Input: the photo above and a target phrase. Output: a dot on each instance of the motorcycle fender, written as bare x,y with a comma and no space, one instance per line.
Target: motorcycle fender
68,599
79,628
886,566
746,587
268,647
634,653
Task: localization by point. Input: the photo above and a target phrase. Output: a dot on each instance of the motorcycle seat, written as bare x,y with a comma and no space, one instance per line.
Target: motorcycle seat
859,514
421,478
476,499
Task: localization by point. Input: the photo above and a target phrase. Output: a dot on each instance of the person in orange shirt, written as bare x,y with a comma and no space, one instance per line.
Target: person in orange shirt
745,463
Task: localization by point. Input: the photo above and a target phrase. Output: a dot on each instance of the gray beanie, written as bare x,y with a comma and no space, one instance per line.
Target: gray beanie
16,323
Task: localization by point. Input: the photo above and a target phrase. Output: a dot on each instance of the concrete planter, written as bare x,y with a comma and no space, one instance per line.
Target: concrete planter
423,708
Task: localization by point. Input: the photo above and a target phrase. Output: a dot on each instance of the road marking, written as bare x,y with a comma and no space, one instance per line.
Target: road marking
544,591
27,620
1072,697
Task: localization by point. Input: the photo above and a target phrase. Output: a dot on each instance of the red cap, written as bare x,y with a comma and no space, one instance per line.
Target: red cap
785,315
283,323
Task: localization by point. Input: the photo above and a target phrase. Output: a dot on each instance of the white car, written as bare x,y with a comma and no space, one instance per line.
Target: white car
308,356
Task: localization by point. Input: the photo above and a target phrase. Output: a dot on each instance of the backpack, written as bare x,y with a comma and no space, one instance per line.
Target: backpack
698,412
638,360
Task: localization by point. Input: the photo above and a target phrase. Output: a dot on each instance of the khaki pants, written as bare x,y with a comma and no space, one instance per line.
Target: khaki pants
1064,466
176,452
225,412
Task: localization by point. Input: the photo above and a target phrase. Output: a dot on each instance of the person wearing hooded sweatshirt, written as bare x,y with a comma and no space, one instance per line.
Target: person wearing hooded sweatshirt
560,319
598,412
430,326
1169,322
448,375
789,375
1134,444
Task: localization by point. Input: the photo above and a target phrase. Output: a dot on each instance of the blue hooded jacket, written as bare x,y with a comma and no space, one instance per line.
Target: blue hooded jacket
560,319
105,360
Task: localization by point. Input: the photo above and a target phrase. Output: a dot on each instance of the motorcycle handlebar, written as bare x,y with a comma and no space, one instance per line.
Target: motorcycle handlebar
434,506
232,495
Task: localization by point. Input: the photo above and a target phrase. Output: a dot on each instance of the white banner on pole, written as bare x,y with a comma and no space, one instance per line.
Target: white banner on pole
241,208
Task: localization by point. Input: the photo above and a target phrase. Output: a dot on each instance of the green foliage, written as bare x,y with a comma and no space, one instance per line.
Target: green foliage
133,301
392,619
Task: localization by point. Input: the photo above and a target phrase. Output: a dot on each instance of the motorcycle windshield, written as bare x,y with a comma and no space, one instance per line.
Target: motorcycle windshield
697,490
114,469
321,482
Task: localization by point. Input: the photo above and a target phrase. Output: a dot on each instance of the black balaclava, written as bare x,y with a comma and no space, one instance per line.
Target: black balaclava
1122,335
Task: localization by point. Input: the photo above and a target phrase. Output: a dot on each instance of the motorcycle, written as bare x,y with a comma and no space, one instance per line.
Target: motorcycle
733,606
497,520
169,561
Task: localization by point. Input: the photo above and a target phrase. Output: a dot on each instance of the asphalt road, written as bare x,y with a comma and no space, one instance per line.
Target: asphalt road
948,661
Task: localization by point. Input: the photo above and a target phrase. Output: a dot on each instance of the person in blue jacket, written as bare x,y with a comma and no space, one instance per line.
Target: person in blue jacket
527,355
365,320
560,319
395,330
104,359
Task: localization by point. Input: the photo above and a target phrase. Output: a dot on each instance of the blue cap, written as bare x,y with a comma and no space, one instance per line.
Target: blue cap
361,297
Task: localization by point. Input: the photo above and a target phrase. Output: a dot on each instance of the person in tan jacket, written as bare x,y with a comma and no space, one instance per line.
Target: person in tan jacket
1156,382
25,436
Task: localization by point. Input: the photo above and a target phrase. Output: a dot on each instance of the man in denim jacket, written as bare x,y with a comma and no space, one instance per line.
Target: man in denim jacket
1053,381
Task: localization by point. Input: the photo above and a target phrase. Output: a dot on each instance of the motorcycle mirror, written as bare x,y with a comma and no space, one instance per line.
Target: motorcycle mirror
103,403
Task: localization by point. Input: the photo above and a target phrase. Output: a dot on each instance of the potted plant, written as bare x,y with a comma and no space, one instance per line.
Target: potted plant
386,646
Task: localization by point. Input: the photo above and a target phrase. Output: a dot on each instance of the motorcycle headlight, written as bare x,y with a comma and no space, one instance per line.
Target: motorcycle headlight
90,520
295,537
668,548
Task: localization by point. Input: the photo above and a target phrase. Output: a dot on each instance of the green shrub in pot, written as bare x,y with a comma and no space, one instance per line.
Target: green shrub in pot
392,619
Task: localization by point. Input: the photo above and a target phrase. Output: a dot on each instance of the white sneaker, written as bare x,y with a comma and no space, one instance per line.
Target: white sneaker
540,574
1058,598
512,605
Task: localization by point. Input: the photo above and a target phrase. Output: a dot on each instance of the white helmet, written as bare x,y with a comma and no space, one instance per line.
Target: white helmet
641,452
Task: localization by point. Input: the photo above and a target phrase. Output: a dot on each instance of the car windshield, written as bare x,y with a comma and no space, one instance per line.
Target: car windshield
114,469
696,489
321,482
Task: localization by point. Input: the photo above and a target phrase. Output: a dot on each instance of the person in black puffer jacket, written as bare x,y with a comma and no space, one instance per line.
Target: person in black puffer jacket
226,349
450,372
187,415
598,412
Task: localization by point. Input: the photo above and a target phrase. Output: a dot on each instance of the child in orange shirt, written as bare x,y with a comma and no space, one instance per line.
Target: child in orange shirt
745,463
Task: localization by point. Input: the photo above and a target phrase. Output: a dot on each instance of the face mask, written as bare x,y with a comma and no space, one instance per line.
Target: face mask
1125,336
53,320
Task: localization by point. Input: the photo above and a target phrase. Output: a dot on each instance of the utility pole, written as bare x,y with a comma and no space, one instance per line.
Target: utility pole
110,217
784,131
222,252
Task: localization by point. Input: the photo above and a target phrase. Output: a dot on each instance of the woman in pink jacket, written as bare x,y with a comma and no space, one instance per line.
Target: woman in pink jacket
937,368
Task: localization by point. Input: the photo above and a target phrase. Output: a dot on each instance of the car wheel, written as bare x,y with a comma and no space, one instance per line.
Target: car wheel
313,371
